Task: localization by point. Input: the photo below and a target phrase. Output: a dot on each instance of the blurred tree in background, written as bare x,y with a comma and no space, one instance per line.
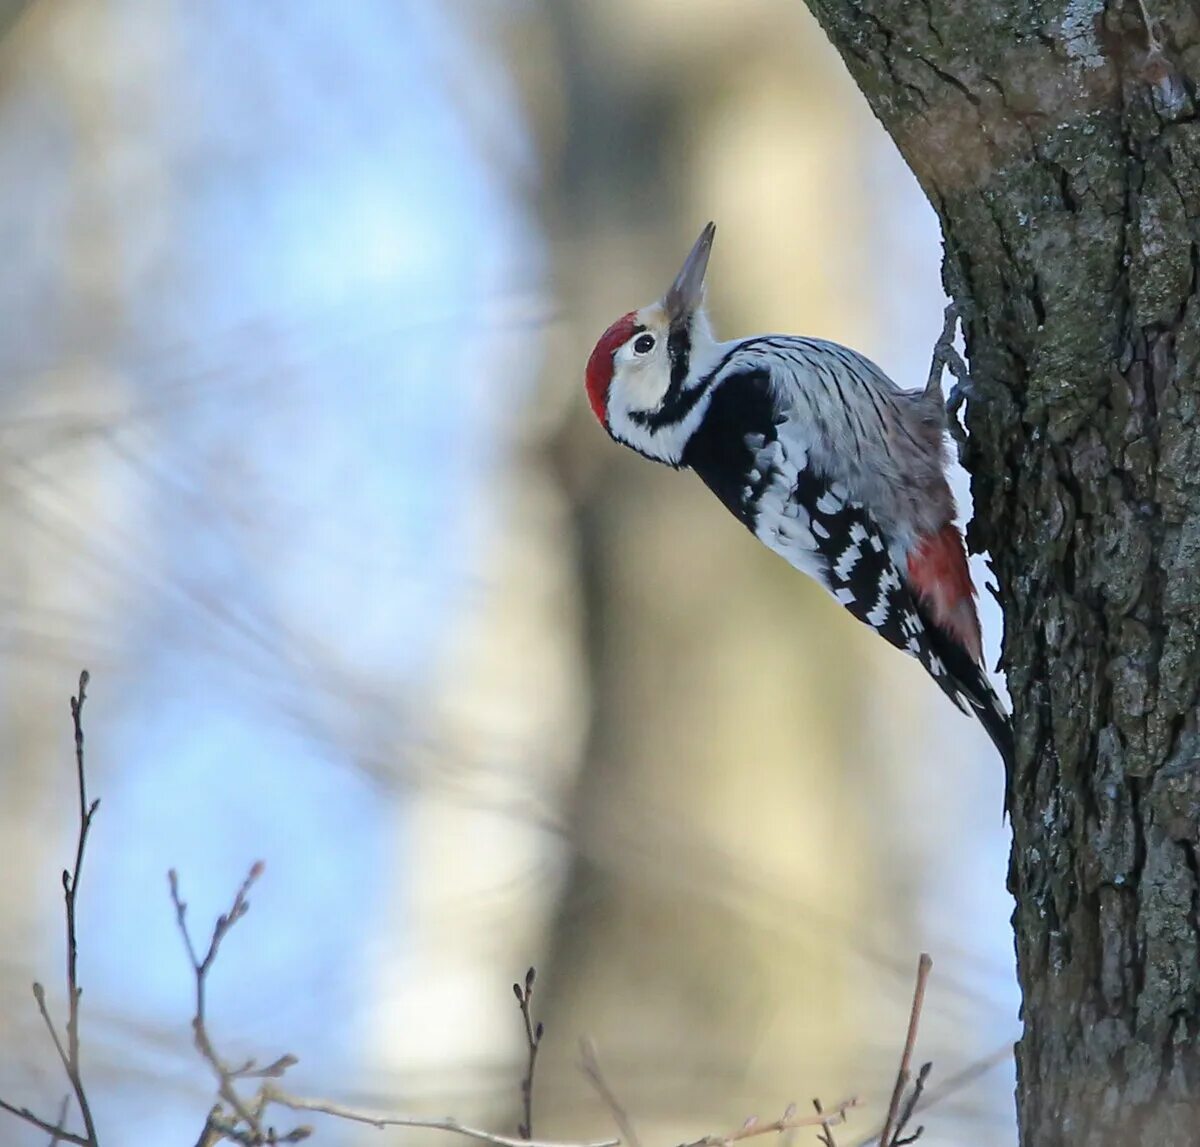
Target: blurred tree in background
294,458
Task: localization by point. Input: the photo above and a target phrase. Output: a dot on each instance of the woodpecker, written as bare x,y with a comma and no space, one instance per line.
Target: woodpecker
820,456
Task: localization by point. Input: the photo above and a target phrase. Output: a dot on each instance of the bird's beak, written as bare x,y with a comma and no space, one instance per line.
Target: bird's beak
687,292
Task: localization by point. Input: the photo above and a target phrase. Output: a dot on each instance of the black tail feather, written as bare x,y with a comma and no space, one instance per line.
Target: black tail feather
968,687
998,724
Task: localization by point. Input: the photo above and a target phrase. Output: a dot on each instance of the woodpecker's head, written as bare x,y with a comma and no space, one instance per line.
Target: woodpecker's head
645,378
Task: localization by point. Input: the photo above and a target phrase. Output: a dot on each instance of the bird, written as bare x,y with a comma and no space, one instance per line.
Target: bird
821,456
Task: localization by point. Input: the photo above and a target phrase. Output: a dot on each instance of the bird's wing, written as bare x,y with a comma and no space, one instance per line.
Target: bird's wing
756,460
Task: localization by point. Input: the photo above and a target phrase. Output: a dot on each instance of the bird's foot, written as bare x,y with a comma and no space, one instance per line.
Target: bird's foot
946,357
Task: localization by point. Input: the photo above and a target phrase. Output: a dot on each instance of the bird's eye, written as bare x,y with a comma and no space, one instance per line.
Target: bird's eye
644,344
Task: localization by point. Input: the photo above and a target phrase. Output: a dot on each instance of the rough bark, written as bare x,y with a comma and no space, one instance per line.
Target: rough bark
1059,144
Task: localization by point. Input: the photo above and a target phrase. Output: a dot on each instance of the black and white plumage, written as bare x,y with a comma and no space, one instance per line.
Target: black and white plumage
821,456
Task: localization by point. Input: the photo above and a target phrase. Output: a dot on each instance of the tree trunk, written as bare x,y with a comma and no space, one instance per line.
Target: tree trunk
1060,146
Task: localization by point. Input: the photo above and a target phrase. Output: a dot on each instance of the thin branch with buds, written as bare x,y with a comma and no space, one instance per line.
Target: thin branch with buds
248,1113
68,1052
533,1037
241,1118
788,1121
70,882
243,1122
899,1139
445,1123
826,1134
899,1113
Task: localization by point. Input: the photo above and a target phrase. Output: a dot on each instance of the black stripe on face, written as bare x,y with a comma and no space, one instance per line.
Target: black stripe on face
676,402
679,348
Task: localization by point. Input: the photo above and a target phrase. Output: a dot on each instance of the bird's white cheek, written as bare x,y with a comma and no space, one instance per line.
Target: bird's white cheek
646,387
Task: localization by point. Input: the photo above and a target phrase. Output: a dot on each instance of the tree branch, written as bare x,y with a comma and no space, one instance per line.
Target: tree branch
64,1107
444,1123
533,1036
68,1053
226,1075
826,1134
45,1124
894,1124
788,1121
70,881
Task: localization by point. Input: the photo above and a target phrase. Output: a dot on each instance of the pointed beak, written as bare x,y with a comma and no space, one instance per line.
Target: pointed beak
687,292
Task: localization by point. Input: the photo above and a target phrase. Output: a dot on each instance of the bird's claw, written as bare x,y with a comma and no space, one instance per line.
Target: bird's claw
946,357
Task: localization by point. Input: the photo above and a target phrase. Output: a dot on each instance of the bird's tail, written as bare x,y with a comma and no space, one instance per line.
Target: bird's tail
998,724
967,685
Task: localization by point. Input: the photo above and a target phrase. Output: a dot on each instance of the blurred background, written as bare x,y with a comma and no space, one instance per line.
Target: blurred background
295,459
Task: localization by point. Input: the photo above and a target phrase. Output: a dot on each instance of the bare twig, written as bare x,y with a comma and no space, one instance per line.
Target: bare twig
39,996
70,881
201,966
786,1122
899,1139
446,1123
887,1137
217,1127
244,1123
826,1134
590,1065
63,1108
929,1096
210,1134
533,1036
44,1124
68,1052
